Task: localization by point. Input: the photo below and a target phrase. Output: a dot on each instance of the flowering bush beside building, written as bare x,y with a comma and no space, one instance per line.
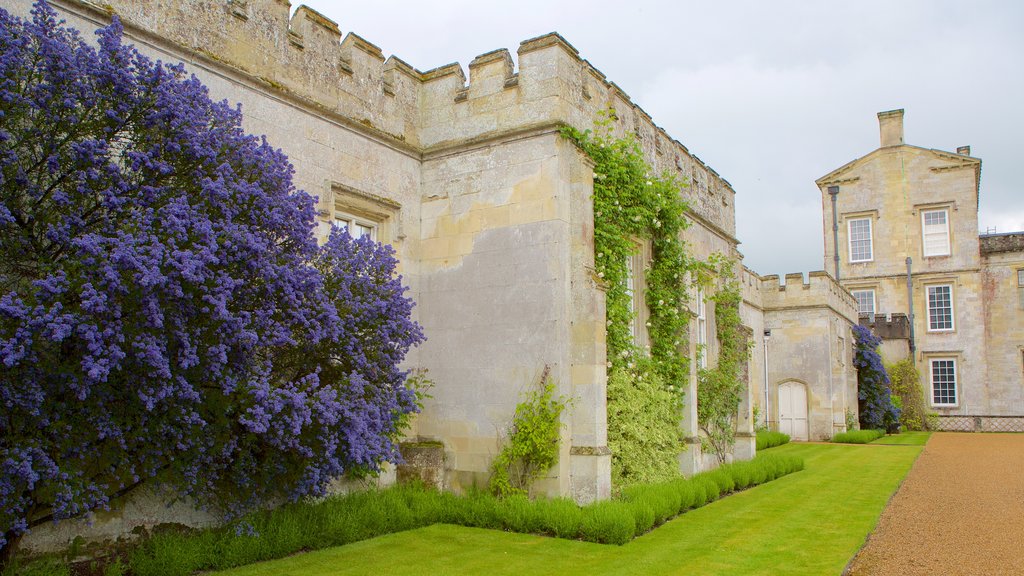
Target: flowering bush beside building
165,310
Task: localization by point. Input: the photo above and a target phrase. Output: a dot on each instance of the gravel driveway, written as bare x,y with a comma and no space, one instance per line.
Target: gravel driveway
959,511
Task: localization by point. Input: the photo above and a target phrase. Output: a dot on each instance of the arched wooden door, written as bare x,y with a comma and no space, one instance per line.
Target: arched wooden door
793,410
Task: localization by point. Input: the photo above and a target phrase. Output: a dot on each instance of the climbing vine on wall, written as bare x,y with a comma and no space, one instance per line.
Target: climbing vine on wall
720,388
632,204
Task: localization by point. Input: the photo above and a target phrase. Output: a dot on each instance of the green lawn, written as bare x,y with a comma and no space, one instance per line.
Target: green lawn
906,438
809,522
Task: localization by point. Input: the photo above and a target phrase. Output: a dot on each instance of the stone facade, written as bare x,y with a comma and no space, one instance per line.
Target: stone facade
491,213
808,346
908,212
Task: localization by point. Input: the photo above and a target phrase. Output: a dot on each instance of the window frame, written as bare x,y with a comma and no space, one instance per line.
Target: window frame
702,329
928,307
341,202
636,289
870,239
351,221
1020,288
924,232
955,382
874,300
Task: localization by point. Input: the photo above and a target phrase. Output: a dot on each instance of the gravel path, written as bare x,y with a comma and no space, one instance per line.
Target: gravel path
959,511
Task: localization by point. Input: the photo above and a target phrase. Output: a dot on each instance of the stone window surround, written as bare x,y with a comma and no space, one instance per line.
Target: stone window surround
950,206
347,203
928,306
930,359
870,238
948,232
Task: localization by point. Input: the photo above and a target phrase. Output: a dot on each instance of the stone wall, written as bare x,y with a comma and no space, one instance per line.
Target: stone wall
1003,296
811,345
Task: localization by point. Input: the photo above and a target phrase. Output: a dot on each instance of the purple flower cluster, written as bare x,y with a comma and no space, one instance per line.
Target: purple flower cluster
165,311
877,411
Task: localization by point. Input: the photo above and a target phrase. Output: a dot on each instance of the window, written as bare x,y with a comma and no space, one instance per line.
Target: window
860,240
865,301
357,227
1020,288
935,232
943,372
635,288
361,213
631,295
940,307
702,329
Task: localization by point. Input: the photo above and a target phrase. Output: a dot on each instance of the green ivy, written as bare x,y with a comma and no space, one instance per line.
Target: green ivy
631,203
532,447
720,389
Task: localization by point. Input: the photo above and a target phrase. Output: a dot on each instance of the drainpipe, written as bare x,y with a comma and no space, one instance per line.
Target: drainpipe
767,408
910,307
833,191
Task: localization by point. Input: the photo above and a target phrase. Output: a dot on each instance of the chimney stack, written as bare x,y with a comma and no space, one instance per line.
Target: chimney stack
964,150
891,126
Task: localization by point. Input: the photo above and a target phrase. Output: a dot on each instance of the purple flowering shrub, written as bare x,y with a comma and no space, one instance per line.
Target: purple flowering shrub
165,311
877,411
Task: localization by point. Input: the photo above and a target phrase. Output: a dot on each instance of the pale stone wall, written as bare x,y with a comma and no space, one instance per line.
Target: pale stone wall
891,186
752,316
1002,259
811,344
505,292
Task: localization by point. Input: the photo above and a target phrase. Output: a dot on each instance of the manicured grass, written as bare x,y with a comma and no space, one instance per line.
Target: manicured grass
858,436
906,438
809,522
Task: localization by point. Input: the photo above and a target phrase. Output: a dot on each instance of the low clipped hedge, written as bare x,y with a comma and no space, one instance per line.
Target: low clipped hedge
358,516
858,436
768,439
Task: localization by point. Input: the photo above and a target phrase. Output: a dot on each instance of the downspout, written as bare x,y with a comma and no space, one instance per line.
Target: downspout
910,309
831,389
833,191
767,407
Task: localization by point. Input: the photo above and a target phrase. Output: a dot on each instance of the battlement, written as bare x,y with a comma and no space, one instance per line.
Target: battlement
818,289
887,326
305,55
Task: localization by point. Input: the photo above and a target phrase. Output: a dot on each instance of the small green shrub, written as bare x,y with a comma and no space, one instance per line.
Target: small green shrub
852,423
39,567
768,439
559,517
532,447
647,438
349,518
858,436
608,522
905,382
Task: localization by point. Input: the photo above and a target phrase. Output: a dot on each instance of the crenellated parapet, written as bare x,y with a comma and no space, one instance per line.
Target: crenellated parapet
555,85
302,55
818,290
305,55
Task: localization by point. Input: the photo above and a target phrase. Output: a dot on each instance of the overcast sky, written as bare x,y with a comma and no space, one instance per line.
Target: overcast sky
771,94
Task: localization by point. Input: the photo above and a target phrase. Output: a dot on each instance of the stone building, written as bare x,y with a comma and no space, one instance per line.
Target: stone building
812,382
901,233
490,211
